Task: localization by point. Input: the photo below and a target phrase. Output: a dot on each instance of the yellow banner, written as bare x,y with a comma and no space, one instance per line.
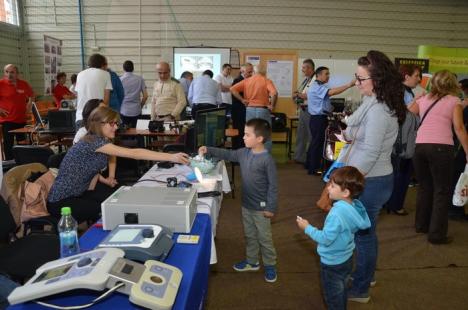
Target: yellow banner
440,58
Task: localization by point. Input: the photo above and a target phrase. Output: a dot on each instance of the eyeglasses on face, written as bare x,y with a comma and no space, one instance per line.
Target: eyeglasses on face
112,123
360,79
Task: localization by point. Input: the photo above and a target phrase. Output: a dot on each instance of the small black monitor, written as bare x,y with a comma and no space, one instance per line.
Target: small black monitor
37,115
61,120
210,127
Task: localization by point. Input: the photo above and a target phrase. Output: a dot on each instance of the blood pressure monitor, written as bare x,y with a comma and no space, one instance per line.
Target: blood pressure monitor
153,285
140,242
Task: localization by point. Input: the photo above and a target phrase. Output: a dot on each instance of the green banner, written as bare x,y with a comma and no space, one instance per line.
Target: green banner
440,58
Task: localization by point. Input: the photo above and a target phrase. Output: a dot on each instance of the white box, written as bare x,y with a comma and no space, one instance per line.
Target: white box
174,208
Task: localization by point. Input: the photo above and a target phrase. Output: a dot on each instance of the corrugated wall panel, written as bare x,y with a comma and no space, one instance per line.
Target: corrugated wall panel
146,30
10,46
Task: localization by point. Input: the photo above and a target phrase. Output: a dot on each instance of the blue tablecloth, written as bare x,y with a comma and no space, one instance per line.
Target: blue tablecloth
192,259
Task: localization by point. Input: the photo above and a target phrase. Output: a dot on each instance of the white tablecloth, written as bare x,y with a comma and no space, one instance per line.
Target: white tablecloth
208,205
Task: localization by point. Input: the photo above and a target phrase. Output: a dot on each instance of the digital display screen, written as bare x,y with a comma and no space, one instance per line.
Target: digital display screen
53,273
125,235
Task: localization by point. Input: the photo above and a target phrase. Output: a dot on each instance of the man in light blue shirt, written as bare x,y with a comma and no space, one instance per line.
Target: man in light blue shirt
319,105
134,86
204,93
185,80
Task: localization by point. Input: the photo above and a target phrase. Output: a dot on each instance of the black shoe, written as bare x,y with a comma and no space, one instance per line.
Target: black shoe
445,240
421,231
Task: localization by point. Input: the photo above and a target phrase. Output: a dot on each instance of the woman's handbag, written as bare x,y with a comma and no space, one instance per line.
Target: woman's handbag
341,161
460,195
324,202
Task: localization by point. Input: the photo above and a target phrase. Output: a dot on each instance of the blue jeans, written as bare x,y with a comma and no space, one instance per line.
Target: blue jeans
376,193
335,282
6,287
263,114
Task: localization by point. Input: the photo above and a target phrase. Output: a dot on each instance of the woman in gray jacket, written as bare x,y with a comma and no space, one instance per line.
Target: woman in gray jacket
374,128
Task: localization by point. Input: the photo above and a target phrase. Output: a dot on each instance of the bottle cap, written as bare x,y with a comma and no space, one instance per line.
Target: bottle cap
66,211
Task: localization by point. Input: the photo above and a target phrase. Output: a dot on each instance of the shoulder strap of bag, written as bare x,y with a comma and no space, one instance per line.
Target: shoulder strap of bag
348,151
427,112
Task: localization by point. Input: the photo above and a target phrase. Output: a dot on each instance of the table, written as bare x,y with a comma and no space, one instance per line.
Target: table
60,138
293,121
191,259
207,205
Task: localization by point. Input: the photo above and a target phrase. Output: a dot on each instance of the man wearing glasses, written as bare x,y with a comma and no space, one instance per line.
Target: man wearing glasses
168,96
319,105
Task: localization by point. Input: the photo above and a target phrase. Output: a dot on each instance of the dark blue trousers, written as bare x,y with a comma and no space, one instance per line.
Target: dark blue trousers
402,170
317,125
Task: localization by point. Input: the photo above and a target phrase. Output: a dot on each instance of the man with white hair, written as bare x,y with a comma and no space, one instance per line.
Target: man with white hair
15,101
260,96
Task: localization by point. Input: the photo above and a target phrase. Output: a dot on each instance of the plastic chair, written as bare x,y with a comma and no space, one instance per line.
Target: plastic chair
26,154
11,185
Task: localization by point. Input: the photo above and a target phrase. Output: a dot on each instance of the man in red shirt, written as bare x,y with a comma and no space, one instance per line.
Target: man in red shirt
60,90
15,100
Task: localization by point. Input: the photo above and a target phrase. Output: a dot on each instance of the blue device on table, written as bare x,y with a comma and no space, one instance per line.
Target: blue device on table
140,242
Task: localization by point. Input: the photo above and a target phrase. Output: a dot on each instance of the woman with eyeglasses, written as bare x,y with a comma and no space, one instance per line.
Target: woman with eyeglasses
440,111
78,184
373,128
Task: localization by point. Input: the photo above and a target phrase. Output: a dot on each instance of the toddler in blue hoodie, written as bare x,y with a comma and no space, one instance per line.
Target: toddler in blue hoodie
336,239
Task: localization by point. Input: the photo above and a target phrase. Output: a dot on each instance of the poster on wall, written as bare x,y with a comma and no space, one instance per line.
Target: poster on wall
281,73
254,60
446,58
52,62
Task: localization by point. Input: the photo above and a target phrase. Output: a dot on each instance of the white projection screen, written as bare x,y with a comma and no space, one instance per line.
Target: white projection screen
199,59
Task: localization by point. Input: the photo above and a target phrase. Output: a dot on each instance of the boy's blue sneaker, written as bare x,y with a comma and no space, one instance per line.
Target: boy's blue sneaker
245,266
270,274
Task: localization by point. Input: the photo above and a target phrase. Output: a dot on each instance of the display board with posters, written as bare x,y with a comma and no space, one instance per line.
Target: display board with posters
52,62
280,72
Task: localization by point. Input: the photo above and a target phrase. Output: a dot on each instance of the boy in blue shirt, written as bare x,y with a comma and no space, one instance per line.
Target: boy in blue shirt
259,195
336,240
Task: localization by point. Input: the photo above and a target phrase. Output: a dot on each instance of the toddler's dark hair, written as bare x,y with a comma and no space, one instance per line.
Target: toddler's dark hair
349,178
261,128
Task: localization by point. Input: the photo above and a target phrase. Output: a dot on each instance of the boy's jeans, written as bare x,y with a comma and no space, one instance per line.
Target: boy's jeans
258,237
334,283
376,193
262,113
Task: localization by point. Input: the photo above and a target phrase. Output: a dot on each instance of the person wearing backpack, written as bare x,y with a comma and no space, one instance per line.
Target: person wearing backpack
404,146
433,158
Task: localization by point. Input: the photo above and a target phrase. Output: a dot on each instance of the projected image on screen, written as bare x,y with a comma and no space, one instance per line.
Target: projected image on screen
197,60
210,127
198,64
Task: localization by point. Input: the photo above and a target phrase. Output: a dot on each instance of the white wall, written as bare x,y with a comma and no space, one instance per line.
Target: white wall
146,30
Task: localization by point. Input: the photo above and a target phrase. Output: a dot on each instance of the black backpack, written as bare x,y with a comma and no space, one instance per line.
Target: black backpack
406,140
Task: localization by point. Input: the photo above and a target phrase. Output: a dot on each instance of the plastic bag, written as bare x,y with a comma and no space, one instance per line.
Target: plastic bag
460,195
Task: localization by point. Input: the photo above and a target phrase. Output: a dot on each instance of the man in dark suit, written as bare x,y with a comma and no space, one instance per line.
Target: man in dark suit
238,108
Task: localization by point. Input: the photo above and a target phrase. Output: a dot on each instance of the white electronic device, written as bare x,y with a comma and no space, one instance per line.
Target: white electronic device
172,207
153,285
140,242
